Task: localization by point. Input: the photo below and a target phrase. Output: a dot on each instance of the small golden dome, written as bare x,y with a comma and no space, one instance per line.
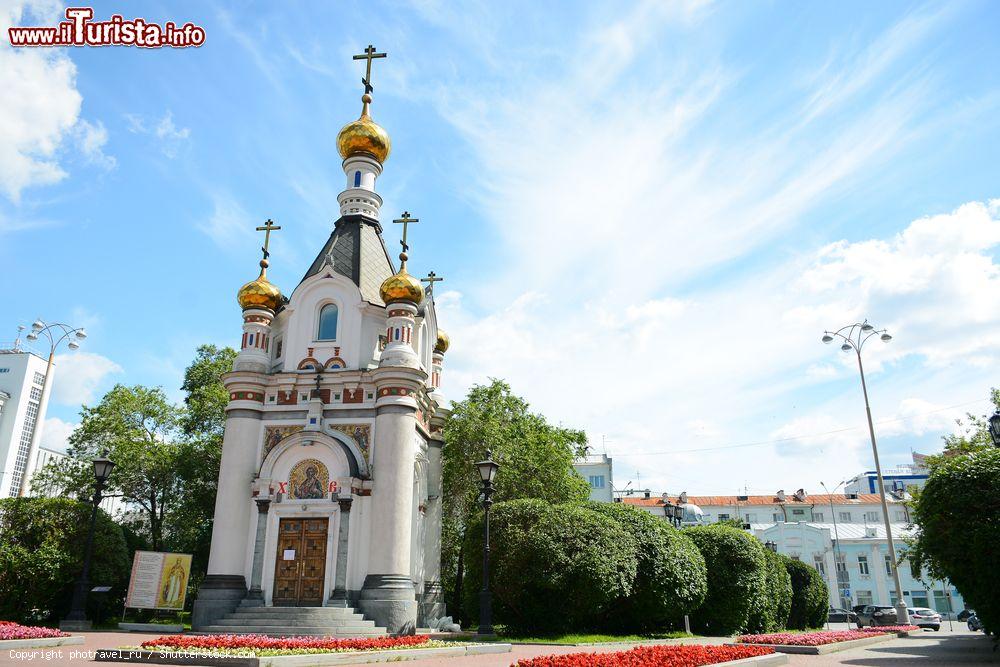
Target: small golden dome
443,341
402,287
260,293
364,136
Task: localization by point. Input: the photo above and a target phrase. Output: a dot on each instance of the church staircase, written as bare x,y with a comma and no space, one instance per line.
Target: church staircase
339,622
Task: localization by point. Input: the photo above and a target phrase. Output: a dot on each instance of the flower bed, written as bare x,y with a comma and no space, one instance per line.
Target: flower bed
891,628
692,655
806,638
262,645
11,630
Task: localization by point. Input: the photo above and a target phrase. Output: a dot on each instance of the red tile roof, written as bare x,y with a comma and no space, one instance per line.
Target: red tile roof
731,501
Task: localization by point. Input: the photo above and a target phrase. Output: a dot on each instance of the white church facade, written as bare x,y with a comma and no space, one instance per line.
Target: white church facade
329,492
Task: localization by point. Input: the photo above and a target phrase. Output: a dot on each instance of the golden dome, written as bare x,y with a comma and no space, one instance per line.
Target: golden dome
402,287
260,293
441,346
364,136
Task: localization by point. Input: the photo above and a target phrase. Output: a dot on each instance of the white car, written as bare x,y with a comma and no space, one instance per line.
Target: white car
923,617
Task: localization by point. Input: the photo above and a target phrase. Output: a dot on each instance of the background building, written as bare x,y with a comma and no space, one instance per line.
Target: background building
842,535
597,471
22,410
903,478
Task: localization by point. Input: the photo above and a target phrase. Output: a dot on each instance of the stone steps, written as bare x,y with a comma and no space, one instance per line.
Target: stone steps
296,631
339,622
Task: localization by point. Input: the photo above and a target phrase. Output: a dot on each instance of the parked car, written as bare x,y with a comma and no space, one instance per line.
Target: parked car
874,614
858,608
836,615
922,617
974,623
964,614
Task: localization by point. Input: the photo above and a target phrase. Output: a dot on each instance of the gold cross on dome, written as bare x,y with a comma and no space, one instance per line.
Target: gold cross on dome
368,55
430,280
405,220
268,227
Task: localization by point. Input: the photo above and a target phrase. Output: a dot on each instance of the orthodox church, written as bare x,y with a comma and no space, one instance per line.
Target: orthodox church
329,492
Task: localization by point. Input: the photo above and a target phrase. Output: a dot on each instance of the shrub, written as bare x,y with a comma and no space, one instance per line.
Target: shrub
810,596
955,543
670,578
41,555
770,612
553,567
737,578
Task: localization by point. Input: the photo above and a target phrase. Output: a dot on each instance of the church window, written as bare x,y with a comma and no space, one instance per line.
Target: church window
277,348
357,179
327,329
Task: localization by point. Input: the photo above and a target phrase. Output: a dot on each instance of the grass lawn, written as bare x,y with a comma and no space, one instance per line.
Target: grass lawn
588,638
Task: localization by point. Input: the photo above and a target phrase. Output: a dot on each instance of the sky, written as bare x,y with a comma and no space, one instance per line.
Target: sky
646,213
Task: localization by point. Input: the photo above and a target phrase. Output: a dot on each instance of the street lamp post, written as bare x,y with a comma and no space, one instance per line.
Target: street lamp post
855,336
487,473
56,333
836,537
77,617
994,427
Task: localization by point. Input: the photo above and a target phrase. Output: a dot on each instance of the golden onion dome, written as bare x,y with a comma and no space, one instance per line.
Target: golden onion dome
401,287
364,136
260,293
443,341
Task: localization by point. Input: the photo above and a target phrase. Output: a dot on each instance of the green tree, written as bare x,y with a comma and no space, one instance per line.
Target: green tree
810,596
205,396
41,556
771,612
138,428
737,578
535,460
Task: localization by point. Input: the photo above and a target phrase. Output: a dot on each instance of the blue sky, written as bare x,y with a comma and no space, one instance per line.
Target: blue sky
646,213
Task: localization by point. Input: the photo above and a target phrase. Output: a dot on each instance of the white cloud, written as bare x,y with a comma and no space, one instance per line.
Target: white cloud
41,108
170,137
55,434
79,376
229,224
91,138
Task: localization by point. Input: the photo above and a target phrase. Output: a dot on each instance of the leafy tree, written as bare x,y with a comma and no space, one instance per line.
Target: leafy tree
41,556
810,596
771,610
737,578
553,567
670,580
206,397
138,428
535,460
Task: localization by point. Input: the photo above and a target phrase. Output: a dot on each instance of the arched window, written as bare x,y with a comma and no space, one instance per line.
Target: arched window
357,179
327,329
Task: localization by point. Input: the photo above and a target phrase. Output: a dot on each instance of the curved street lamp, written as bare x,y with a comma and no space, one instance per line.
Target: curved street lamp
487,473
56,333
854,337
994,426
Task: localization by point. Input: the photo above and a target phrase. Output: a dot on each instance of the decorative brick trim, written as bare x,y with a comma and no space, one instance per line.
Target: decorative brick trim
395,391
310,361
246,396
288,397
335,363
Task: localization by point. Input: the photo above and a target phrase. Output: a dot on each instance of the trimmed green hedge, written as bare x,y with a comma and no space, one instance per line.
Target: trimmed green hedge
41,555
810,596
737,578
773,608
671,580
552,567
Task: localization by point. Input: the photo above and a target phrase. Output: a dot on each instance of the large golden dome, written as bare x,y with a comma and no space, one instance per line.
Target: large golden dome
443,341
260,293
364,136
402,287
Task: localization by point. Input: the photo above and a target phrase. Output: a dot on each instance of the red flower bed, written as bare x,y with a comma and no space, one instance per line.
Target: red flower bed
692,655
891,628
805,638
11,630
263,642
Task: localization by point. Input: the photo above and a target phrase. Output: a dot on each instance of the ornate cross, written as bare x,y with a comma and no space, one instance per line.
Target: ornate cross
268,227
430,280
405,220
368,55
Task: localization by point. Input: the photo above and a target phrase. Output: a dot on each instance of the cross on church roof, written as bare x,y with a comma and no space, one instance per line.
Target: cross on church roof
268,227
368,55
430,280
404,220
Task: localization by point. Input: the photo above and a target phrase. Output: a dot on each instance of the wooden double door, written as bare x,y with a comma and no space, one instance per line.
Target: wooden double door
300,565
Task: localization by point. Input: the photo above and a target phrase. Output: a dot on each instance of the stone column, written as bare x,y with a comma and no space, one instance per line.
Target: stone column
388,596
432,603
339,596
225,583
877,570
256,594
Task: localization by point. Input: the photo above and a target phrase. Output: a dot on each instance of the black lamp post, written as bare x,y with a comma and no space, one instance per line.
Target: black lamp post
771,546
487,473
995,428
678,515
77,617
